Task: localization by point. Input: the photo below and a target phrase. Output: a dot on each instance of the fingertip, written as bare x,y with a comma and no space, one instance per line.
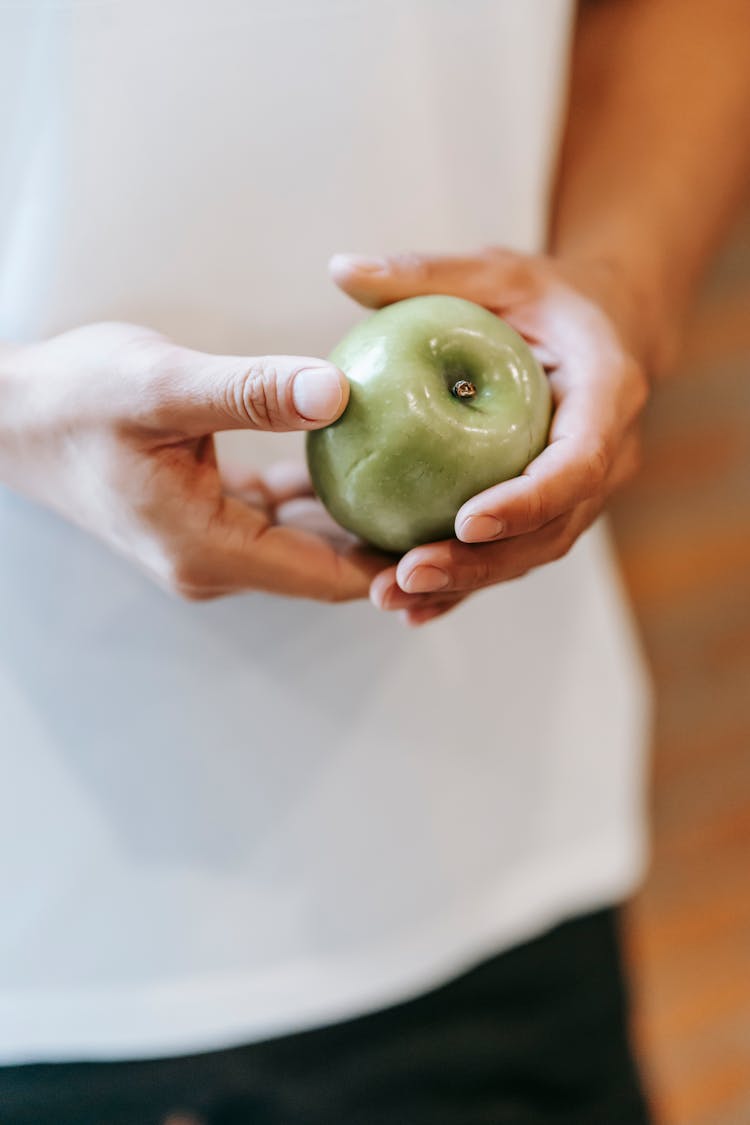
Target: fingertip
342,266
362,278
380,586
320,394
479,528
416,559
404,570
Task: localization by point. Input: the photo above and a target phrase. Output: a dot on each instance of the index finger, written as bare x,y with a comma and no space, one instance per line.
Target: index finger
481,277
245,551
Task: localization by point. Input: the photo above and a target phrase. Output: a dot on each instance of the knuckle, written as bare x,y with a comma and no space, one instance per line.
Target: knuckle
597,462
152,365
336,594
150,357
408,262
184,579
133,353
480,574
338,590
537,512
562,544
502,256
517,269
254,395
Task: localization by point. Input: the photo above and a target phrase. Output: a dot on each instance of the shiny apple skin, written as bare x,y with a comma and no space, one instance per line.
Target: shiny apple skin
407,453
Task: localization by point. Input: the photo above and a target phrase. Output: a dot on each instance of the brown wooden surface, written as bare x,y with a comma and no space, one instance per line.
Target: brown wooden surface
683,531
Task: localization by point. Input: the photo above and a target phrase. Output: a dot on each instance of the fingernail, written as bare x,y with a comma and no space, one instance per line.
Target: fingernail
477,529
386,599
317,393
359,262
425,579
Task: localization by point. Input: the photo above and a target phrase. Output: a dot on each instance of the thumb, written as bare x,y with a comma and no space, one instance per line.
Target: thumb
199,393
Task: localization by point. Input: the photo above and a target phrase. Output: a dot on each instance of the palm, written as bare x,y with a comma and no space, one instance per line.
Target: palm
598,391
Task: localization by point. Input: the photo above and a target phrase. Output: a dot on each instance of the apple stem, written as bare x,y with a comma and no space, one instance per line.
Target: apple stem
463,389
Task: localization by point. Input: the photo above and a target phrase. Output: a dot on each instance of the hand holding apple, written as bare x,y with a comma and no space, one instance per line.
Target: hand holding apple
112,425
575,319
445,400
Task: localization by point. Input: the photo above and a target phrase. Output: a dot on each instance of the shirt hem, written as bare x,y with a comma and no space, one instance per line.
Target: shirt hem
214,1012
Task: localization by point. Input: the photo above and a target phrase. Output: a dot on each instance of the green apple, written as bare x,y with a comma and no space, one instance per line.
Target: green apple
446,400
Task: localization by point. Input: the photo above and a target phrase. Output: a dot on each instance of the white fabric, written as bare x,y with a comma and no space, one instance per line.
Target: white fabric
229,820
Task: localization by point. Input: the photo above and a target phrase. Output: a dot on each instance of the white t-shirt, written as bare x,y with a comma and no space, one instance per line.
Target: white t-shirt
230,820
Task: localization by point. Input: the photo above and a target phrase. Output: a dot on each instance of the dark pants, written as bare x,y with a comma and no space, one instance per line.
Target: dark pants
535,1036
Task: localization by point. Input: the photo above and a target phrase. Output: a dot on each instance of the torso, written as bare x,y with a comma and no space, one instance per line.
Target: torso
249,816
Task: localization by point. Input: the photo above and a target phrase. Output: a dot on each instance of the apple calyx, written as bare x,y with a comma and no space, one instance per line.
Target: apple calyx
463,389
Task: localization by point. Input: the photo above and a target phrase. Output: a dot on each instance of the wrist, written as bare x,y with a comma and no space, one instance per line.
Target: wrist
636,299
630,277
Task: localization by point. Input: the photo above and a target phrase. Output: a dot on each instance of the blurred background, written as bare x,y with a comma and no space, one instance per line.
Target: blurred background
683,533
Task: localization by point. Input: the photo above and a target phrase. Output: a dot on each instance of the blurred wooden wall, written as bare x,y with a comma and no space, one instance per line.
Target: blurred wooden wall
683,532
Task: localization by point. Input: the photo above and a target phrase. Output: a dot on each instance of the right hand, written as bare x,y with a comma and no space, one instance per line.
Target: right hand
112,426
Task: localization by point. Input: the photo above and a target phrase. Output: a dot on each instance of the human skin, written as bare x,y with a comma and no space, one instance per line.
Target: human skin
655,161
111,425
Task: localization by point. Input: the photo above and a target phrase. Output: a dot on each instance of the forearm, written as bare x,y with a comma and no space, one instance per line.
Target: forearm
655,159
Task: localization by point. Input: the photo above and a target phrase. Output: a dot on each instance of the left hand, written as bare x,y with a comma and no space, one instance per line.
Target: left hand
285,495
578,321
